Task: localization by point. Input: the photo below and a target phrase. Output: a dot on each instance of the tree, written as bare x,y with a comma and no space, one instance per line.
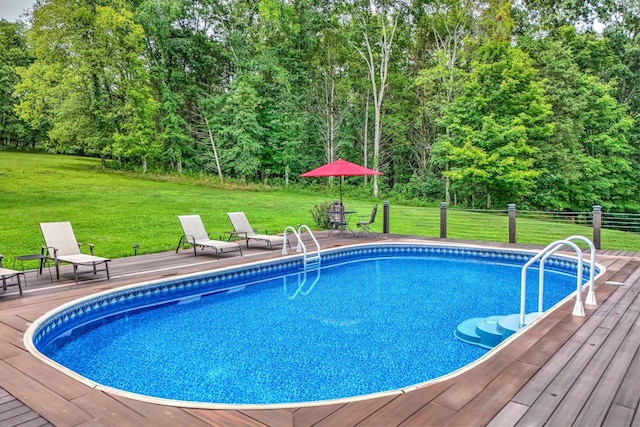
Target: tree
188,69
87,64
444,44
383,22
14,53
238,128
502,116
589,158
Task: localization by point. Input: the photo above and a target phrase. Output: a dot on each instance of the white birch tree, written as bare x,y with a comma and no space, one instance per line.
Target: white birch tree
375,49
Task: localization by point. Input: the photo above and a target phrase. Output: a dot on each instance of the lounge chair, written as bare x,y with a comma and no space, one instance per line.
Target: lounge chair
243,229
365,225
6,273
196,235
61,246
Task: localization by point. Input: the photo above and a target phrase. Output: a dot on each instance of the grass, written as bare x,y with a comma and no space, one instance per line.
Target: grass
114,210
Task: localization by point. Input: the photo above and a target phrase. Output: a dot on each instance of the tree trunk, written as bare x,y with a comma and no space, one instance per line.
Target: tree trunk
365,137
215,151
378,87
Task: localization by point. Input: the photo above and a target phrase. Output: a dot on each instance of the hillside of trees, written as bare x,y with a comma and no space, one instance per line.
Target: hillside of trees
478,103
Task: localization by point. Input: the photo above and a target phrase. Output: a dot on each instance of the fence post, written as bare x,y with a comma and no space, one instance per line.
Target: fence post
443,220
597,225
385,217
512,223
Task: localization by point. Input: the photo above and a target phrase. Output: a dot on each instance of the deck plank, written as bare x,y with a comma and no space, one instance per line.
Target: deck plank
161,415
53,407
22,418
224,418
271,417
553,368
494,397
430,415
619,416
629,393
594,393
563,372
398,410
108,410
13,413
509,415
53,379
353,413
473,383
621,366
571,372
309,416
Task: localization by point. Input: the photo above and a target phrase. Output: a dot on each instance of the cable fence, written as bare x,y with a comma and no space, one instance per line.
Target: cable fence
611,231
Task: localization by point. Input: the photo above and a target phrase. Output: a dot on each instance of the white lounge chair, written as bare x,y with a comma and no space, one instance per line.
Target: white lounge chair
6,273
196,235
243,229
61,246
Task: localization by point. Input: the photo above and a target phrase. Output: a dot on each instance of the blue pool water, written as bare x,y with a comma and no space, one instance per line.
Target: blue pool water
373,322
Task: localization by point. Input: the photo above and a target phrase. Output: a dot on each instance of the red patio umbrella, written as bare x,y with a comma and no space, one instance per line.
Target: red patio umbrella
340,168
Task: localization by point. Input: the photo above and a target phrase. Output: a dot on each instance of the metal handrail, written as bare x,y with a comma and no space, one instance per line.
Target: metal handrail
578,309
591,296
301,245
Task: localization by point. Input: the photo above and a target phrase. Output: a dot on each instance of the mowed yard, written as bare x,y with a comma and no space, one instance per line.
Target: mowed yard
115,210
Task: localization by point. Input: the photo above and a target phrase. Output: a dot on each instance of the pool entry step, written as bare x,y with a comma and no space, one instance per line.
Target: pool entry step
488,332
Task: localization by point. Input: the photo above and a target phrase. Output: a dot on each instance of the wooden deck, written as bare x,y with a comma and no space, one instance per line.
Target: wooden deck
563,371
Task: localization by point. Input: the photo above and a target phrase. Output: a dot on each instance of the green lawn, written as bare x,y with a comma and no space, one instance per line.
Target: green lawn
114,211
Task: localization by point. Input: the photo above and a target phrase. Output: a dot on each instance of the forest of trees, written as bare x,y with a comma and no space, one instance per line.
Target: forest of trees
478,103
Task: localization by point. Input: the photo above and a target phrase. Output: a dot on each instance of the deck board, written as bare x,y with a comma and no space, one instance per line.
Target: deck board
224,418
593,384
353,413
51,378
594,410
107,409
628,394
494,397
584,386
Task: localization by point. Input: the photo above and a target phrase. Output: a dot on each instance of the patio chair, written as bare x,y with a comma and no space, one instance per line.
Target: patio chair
337,218
6,273
196,235
243,229
61,246
365,225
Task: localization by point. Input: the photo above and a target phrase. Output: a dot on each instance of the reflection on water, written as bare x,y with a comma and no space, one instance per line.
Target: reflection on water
301,283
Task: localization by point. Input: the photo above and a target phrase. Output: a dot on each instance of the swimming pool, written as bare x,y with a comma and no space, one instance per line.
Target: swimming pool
268,338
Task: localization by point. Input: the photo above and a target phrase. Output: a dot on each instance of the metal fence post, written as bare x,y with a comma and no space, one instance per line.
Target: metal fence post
597,225
385,217
512,223
443,220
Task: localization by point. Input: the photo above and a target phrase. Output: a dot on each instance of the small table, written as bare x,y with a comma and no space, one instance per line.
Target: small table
347,218
31,257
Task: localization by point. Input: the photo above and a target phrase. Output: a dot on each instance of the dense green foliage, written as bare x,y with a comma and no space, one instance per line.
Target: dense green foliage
478,103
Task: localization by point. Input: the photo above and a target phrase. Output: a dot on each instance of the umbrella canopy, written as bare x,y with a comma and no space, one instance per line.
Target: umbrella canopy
340,168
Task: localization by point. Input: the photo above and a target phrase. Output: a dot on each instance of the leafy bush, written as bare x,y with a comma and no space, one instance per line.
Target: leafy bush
320,214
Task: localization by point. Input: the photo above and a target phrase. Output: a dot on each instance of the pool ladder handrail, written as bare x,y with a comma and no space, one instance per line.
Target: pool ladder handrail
313,258
310,261
578,309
